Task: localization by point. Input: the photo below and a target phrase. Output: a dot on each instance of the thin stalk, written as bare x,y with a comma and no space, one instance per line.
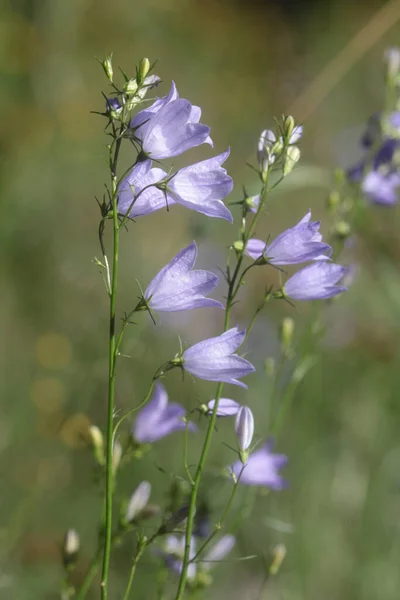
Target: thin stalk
111,375
142,545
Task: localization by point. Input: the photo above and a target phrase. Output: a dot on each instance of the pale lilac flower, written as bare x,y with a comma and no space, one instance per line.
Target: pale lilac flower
262,468
139,185
214,359
318,281
226,407
177,287
203,186
173,553
381,187
244,426
265,144
159,418
138,501
300,243
296,134
170,127
218,552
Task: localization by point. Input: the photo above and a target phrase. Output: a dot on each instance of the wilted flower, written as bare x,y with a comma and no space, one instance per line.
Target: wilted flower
244,426
218,552
261,469
214,359
169,127
177,287
138,501
298,244
318,281
226,407
159,418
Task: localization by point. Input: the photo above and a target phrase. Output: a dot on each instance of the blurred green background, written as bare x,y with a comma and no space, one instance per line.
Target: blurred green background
243,63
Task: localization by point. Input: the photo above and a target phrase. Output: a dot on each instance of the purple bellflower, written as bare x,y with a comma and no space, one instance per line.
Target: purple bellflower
226,407
173,553
200,187
300,243
218,552
316,282
169,127
381,187
214,359
261,469
159,418
176,287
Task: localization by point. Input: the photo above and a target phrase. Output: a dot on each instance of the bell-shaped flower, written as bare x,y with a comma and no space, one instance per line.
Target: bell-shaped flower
170,127
244,426
298,244
177,287
218,552
203,186
381,187
318,281
138,194
262,468
159,418
214,359
226,407
138,501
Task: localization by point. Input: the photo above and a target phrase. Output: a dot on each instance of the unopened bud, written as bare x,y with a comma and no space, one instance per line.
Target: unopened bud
131,87
107,66
333,200
144,68
392,59
238,246
244,426
342,229
278,556
291,159
253,202
287,331
116,456
96,438
70,548
138,501
288,126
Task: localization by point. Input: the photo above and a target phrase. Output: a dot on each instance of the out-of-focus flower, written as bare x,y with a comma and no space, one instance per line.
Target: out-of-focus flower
138,501
214,359
159,418
173,552
244,426
381,187
300,243
176,287
70,548
226,407
218,552
169,127
262,468
318,281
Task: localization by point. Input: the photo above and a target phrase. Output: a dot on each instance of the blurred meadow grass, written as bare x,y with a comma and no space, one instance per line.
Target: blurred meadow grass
243,63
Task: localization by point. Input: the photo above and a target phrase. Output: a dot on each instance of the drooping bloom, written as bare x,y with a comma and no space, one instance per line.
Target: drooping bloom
159,418
173,553
318,281
297,244
169,127
244,426
214,359
177,287
218,552
262,468
200,187
138,501
226,407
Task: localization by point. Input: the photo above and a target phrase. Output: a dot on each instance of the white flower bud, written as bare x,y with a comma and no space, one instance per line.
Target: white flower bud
107,66
244,426
138,501
96,438
116,457
291,159
70,548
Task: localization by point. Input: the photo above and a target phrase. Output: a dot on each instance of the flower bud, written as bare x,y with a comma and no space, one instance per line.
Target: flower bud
288,126
70,548
287,331
342,229
238,246
244,426
291,159
392,59
138,501
97,441
278,556
131,87
144,68
107,66
116,456
333,200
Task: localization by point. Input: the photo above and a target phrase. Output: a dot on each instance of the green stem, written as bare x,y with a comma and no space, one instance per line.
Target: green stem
142,545
91,572
233,289
111,376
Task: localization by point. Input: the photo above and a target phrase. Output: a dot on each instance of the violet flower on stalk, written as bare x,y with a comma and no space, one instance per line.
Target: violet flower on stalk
318,281
173,553
200,187
214,359
176,287
226,407
298,244
262,468
218,552
169,127
159,418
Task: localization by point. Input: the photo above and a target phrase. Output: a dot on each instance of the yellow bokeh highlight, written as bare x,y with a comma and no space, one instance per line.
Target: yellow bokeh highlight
48,394
53,350
74,430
